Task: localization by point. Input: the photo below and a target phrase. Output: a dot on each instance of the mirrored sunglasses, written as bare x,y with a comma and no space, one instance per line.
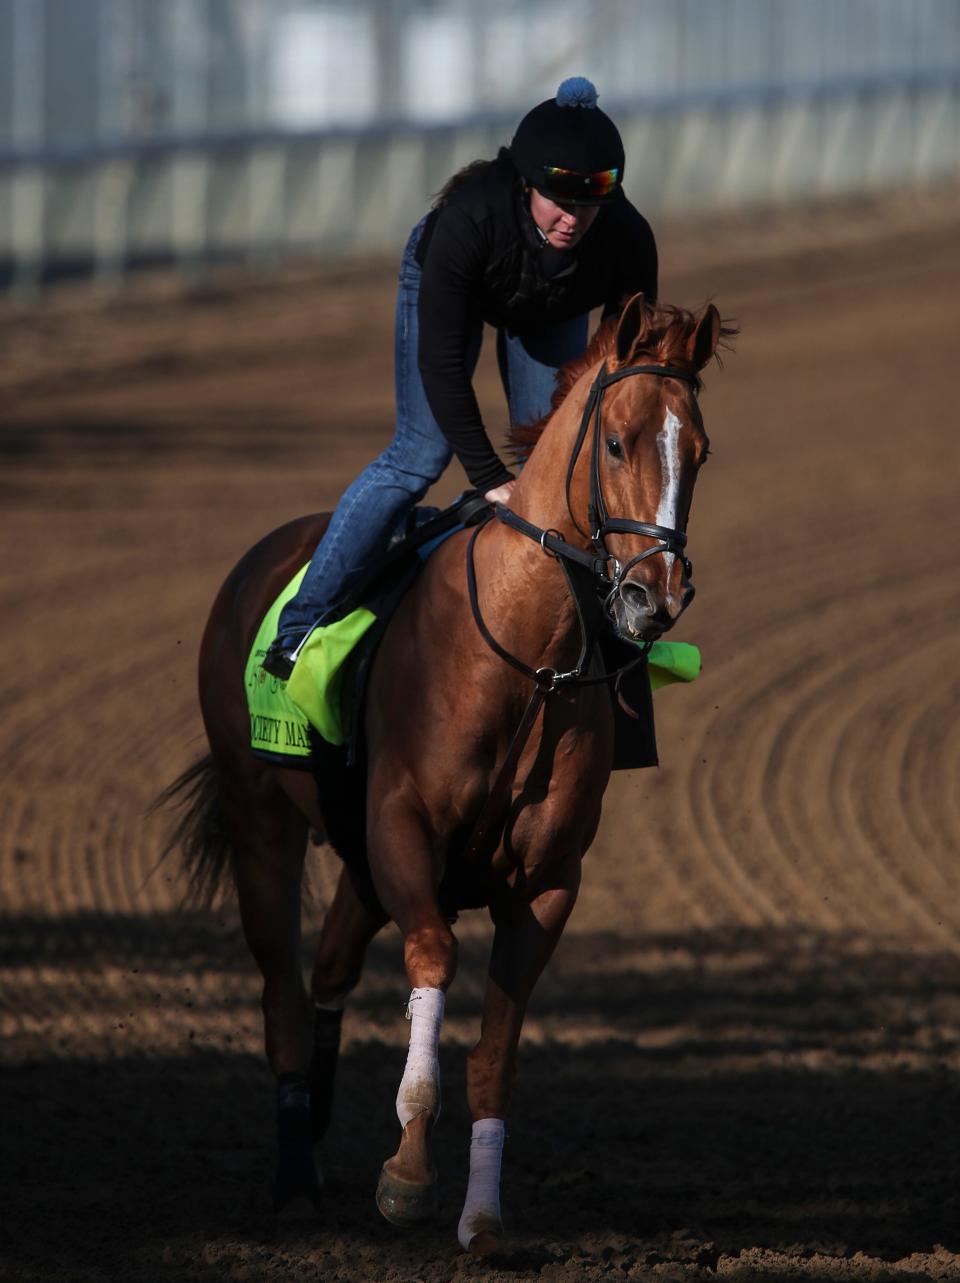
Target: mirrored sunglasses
571,185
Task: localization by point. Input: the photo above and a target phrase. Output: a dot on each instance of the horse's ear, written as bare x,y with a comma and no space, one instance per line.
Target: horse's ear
703,342
632,323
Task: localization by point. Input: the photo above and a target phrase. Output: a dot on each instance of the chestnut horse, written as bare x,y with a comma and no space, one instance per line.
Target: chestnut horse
491,619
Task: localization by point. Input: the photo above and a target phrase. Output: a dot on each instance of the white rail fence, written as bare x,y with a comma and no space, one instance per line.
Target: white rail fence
197,131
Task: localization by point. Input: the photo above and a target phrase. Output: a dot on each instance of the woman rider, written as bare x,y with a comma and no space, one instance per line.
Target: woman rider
529,243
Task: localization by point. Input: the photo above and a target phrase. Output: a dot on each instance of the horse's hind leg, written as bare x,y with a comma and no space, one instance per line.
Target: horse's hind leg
348,928
269,839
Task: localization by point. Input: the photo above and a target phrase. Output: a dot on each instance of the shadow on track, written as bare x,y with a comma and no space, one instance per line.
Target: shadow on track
693,1096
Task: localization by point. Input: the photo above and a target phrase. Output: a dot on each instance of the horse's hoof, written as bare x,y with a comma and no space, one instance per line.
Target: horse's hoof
298,1186
297,1194
481,1234
296,1199
487,1243
405,1202
298,1207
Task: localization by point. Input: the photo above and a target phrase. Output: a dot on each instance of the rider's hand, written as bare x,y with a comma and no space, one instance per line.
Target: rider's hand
500,494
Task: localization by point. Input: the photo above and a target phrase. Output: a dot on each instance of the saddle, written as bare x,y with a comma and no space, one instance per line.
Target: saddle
324,696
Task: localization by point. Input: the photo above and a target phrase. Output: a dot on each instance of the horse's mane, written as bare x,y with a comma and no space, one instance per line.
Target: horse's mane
661,340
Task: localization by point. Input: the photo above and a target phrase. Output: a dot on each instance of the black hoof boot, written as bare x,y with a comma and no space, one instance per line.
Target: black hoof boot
323,1068
297,1185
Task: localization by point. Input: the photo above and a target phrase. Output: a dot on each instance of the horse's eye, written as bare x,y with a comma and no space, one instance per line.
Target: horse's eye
614,448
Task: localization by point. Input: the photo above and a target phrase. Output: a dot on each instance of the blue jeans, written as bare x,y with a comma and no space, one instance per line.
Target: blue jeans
378,503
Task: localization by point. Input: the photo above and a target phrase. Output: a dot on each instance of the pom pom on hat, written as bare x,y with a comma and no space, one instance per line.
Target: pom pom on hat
553,137
577,91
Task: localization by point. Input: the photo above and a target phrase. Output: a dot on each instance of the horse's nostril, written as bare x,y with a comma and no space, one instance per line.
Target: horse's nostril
636,597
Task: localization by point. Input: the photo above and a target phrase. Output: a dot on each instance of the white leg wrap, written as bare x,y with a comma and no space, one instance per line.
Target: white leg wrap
420,1086
481,1211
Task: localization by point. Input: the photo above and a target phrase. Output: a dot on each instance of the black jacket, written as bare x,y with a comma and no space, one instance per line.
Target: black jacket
481,262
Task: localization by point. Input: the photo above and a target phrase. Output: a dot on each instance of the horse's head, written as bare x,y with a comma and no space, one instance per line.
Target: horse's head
648,446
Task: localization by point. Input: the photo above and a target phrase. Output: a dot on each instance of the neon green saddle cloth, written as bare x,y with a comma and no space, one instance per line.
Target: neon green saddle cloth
281,713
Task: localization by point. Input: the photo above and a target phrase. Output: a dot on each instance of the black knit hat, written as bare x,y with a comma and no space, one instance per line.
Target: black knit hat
568,149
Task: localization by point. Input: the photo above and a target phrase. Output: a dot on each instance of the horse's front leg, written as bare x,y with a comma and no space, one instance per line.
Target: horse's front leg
527,931
407,868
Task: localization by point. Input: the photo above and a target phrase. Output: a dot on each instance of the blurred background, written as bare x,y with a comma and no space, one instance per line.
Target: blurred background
138,132
201,209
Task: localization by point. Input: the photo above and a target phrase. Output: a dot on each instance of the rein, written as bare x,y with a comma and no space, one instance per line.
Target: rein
584,572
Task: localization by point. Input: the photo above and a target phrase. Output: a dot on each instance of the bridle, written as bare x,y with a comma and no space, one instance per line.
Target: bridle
585,572
668,538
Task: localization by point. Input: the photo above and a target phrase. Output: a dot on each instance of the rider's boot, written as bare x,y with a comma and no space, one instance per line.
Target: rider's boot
280,658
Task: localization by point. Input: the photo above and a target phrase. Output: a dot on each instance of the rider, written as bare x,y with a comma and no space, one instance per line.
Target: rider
528,242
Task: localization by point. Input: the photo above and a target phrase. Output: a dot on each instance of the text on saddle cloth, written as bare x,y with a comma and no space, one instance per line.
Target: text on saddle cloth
282,713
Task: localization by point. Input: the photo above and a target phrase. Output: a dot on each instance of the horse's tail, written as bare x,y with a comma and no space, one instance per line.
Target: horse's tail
200,833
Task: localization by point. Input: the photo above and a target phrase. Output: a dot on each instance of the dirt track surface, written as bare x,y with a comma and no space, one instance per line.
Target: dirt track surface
744,1058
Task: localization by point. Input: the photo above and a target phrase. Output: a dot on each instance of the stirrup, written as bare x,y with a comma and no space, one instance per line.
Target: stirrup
279,660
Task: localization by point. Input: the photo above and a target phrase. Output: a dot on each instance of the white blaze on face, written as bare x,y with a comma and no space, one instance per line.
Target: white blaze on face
668,447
